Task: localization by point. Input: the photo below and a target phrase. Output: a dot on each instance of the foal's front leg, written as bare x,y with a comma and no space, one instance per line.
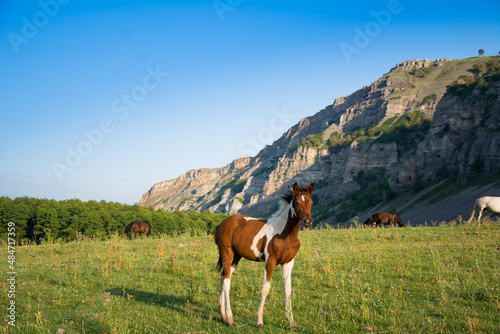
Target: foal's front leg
287,291
266,285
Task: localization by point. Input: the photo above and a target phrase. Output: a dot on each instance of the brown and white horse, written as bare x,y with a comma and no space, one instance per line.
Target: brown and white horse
273,241
489,203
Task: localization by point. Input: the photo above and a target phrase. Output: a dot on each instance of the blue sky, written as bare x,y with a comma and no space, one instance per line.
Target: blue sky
102,99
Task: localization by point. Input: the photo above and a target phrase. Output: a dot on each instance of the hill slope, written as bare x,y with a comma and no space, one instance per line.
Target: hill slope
422,122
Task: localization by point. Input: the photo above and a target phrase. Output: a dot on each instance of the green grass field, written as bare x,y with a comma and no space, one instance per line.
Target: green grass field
435,279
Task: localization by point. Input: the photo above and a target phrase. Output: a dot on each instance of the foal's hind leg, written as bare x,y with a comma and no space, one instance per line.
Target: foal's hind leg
228,268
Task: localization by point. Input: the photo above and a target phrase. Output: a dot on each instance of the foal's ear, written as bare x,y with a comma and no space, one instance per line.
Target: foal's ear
310,188
295,187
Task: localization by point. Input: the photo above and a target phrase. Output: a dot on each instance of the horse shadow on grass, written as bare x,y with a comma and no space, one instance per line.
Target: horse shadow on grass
174,303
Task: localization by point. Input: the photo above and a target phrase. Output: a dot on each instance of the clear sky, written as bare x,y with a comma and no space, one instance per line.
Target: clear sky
102,99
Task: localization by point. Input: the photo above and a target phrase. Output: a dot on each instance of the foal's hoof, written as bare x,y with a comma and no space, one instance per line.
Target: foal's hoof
295,328
260,326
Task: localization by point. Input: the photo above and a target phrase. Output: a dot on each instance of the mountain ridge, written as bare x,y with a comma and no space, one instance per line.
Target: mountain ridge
420,119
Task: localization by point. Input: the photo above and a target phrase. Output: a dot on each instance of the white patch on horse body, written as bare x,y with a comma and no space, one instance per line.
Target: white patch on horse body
275,225
249,218
490,203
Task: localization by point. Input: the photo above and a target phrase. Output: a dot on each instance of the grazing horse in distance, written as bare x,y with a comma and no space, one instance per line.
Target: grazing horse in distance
489,203
386,218
138,227
273,241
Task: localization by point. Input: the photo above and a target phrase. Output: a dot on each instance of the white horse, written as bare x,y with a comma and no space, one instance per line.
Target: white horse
489,203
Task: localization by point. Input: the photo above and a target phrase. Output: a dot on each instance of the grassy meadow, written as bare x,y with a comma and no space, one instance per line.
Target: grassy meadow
430,279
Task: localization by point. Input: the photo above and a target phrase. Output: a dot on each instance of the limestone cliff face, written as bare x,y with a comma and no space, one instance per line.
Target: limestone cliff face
457,134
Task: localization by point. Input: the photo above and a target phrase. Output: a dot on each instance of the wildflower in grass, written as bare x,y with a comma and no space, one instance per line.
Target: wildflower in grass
369,329
46,316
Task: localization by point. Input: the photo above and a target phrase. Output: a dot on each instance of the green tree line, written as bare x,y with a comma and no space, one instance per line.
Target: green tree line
37,219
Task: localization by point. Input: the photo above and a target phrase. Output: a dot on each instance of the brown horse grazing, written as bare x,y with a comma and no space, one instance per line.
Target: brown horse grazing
273,241
386,218
138,227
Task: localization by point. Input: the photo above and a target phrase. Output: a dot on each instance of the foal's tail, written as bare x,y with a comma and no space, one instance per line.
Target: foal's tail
219,262
473,212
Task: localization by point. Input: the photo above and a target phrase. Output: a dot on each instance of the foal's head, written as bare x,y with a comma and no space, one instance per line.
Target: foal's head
302,203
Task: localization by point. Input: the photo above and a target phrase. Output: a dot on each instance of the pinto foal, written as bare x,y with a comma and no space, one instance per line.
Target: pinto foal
273,241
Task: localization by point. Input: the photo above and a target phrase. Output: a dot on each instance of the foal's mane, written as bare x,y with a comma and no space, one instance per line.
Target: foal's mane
287,197
285,200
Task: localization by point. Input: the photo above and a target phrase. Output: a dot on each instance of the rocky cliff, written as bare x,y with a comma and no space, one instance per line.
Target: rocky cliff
422,122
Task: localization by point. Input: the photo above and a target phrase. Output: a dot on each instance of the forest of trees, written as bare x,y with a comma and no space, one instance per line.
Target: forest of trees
44,219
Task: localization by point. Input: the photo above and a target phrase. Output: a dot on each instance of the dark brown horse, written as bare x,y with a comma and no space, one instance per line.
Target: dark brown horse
138,227
386,218
273,241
